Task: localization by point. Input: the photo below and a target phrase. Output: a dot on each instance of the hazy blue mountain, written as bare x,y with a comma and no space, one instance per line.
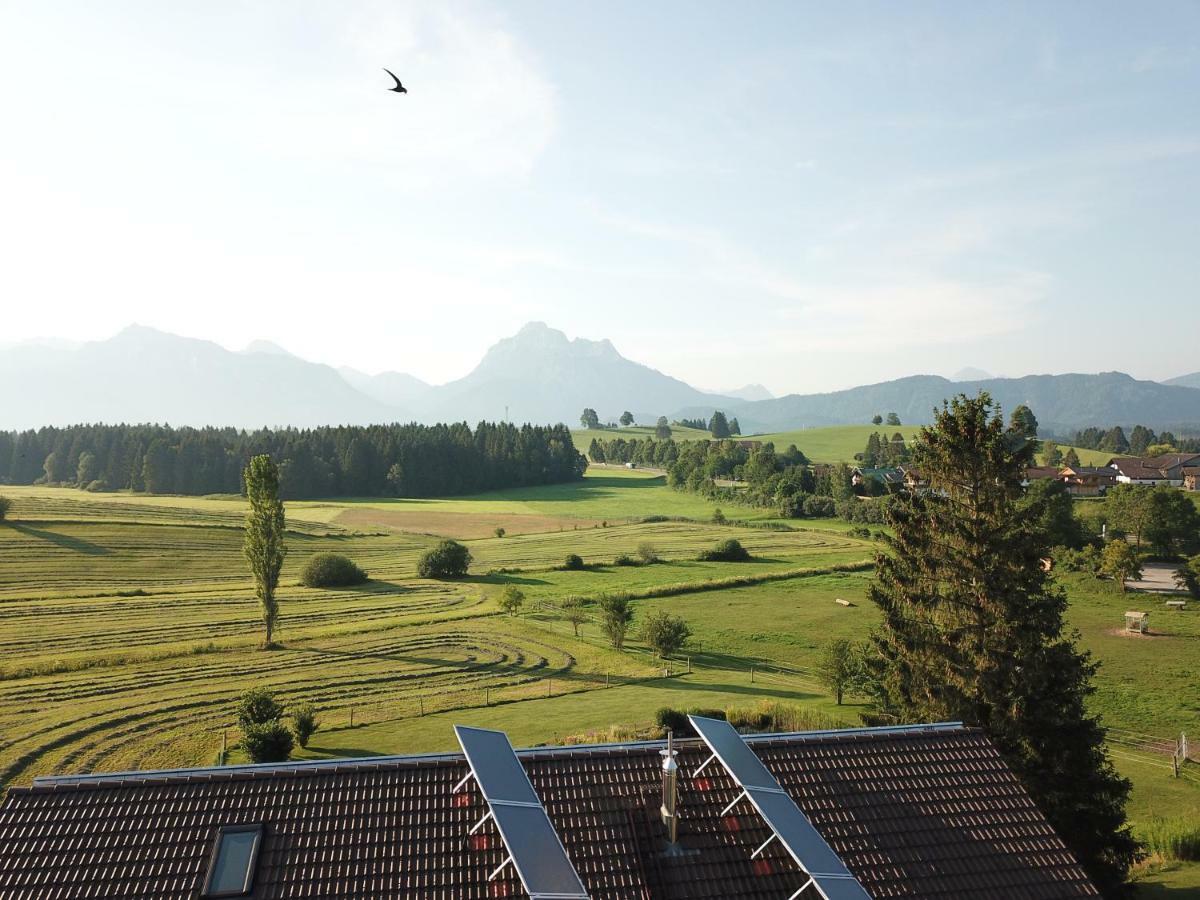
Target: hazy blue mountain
539,375
261,346
144,375
750,392
392,388
970,373
1192,381
1061,403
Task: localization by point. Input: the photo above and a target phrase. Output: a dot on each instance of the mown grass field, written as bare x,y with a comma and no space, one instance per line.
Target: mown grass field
128,628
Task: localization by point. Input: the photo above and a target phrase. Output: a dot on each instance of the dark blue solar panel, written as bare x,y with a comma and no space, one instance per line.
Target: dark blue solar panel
532,843
780,811
497,769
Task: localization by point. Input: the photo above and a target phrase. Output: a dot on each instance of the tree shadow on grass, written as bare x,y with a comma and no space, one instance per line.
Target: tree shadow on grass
79,545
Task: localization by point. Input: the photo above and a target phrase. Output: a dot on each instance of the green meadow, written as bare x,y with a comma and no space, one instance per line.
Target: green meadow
128,628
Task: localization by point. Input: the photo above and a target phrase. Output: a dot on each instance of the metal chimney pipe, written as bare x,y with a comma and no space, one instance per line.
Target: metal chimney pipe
670,791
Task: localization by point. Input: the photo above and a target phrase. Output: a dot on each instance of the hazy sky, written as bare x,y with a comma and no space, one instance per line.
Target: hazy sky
807,195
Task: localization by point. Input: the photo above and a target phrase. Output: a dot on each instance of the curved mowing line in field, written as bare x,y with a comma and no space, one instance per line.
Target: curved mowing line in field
157,724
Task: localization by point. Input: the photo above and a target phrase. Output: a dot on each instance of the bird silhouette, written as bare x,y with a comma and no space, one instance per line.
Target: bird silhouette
399,88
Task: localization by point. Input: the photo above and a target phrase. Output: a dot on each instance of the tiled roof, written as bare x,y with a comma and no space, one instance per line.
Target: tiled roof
929,813
1137,469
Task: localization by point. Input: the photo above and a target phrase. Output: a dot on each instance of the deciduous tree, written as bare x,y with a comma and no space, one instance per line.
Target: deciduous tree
662,430
616,613
838,667
263,543
589,419
665,633
1121,562
574,612
512,598
626,418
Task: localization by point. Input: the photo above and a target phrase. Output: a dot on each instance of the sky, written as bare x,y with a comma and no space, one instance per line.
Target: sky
808,196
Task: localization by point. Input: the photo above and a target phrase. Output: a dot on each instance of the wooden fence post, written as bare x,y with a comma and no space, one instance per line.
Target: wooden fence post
549,686
351,716
752,674
487,695
606,677
689,665
421,706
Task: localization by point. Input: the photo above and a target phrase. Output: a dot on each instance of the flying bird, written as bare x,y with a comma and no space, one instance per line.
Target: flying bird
399,88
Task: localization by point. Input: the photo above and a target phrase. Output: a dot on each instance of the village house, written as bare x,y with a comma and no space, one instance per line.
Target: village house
1039,473
888,477
1088,481
926,811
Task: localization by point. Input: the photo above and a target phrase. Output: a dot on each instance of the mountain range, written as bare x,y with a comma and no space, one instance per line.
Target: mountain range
537,375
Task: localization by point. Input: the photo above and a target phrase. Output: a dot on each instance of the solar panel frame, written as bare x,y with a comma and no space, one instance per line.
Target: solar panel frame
786,820
534,847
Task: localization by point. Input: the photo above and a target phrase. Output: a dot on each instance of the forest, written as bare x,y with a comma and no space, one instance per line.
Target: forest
363,461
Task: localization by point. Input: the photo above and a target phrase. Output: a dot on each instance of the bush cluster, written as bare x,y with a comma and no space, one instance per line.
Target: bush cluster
573,562
449,559
728,550
331,570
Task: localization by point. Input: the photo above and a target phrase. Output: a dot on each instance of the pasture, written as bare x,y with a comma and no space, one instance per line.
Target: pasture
128,627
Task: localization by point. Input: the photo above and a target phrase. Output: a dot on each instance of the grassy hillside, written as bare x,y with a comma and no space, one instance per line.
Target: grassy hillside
837,443
583,436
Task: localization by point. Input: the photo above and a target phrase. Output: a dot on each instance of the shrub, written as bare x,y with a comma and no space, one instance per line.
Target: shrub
819,507
647,552
718,517
258,706
677,719
331,570
573,562
304,722
728,550
499,532
624,559
664,632
98,486
267,743
5,506
449,559
1173,839
512,598
771,715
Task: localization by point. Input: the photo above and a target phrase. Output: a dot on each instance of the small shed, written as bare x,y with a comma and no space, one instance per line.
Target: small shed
1137,622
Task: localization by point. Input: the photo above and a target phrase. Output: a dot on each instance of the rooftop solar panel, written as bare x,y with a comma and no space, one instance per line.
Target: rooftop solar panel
788,824
533,846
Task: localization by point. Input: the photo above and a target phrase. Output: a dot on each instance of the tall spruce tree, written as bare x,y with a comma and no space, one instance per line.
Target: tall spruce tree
973,631
263,543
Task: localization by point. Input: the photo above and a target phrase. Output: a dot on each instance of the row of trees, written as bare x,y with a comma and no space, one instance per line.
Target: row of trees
883,451
1141,441
785,481
377,460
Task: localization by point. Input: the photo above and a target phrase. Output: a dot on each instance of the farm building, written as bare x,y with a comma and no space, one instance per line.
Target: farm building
1191,478
923,811
1166,469
1088,481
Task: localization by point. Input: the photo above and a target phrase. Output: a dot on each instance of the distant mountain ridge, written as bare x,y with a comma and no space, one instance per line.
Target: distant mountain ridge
537,375
145,375
1062,403
1192,381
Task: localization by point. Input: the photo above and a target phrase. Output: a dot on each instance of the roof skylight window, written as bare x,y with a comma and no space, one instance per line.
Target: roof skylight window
234,859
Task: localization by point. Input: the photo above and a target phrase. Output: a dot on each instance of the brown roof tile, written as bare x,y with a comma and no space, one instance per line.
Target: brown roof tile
931,813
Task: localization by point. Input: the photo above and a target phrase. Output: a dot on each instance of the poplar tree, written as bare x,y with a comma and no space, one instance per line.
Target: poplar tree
973,631
263,543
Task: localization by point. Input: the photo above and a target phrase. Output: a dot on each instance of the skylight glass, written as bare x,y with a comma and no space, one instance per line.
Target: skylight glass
231,870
